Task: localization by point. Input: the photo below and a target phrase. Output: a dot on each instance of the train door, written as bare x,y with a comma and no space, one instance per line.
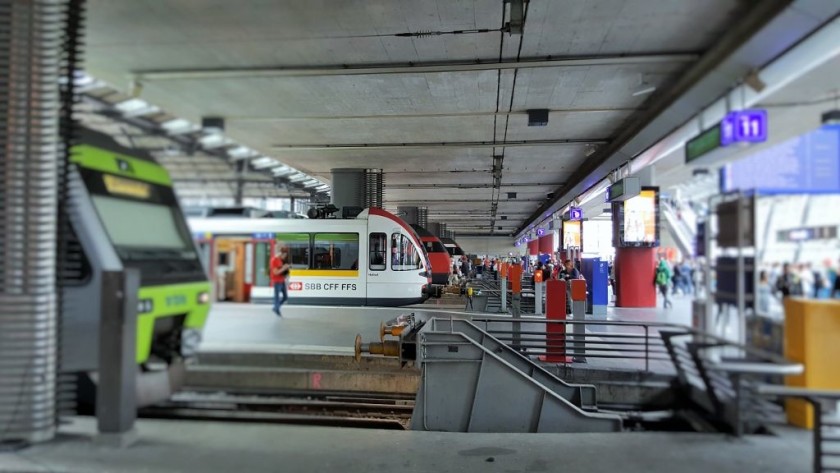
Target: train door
231,263
377,266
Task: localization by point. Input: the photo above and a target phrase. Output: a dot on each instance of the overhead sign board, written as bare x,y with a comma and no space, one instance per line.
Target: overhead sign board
576,213
624,189
742,126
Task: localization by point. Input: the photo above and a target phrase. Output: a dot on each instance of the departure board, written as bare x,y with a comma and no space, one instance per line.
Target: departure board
806,164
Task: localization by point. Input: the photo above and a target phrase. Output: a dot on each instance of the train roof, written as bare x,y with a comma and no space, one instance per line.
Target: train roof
87,136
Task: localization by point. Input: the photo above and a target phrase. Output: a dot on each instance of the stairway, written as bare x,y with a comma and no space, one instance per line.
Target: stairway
472,382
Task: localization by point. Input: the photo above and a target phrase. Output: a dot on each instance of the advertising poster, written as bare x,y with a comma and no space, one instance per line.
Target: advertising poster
640,219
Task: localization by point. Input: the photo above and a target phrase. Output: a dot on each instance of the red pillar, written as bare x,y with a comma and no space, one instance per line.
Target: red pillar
555,333
533,247
546,244
634,273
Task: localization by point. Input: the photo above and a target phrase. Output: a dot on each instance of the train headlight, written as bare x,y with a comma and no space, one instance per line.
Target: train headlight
144,306
190,339
203,297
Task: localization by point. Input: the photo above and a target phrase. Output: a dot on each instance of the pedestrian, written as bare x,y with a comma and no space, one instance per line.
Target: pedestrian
279,271
788,284
663,277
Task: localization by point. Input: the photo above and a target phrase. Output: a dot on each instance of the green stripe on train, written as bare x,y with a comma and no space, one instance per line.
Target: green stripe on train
98,159
169,301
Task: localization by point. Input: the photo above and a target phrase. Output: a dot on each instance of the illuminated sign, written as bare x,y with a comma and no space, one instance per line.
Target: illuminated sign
540,231
127,187
743,126
576,213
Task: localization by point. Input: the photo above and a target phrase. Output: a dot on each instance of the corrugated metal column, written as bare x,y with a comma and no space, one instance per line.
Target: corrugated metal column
30,45
423,217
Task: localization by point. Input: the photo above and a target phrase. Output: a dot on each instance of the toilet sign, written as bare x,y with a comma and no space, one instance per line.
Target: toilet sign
744,126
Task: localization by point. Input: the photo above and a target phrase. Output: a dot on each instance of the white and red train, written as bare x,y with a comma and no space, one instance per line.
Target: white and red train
375,259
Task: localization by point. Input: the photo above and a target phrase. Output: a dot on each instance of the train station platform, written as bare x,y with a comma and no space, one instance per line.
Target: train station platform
182,446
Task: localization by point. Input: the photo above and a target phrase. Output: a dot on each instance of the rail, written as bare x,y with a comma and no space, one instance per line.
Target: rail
639,343
717,375
826,429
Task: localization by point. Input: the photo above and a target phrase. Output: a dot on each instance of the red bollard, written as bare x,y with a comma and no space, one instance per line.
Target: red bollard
555,333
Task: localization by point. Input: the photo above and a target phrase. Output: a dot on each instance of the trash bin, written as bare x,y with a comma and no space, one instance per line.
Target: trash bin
479,302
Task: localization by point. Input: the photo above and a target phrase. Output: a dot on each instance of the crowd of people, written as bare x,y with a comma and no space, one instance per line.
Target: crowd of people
780,280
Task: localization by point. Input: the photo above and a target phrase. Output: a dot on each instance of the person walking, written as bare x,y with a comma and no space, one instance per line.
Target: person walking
279,271
788,284
663,277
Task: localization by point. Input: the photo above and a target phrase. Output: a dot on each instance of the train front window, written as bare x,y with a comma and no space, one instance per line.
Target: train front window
404,256
141,230
434,247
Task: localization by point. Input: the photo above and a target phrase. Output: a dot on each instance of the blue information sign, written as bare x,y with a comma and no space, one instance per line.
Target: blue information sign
575,213
743,126
806,164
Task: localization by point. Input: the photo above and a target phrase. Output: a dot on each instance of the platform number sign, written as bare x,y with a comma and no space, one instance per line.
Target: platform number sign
744,126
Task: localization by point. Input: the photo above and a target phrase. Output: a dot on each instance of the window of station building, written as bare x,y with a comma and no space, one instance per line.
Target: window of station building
378,249
336,251
404,256
297,248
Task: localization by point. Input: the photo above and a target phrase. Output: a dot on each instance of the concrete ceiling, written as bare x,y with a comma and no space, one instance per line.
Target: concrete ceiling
293,79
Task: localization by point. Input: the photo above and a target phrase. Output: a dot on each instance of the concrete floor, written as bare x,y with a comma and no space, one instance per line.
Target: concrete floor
183,446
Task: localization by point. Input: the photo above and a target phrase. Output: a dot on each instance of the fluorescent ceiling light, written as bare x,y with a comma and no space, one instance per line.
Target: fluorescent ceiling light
130,105
298,177
177,126
241,152
263,162
644,90
213,141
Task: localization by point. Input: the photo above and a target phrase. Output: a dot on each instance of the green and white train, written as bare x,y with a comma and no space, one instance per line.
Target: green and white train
124,214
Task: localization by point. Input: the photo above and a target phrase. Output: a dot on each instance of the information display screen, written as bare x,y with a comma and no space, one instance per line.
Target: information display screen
806,164
571,234
636,220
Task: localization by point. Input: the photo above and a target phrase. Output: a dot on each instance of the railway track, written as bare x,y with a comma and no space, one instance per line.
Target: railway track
345,409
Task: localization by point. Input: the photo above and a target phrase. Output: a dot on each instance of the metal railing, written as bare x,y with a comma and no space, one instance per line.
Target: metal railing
636,342
717,375
826,429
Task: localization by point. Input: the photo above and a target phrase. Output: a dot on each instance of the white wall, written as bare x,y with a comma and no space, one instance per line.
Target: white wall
494,246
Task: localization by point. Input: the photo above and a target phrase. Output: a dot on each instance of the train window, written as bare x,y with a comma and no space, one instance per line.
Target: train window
404,256
297,246
336,251
377,251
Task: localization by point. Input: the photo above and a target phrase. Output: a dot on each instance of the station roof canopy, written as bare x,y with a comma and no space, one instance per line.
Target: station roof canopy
435,93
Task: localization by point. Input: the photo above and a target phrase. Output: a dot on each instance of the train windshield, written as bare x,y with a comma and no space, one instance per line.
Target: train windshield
434,247
142,230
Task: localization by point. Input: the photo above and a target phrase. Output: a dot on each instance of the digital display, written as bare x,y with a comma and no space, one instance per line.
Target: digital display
571,234
636,220
127,187
807,164
640,218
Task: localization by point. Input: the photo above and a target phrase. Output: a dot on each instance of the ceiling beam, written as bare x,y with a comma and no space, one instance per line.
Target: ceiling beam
452,144
464,186
412,67
425,115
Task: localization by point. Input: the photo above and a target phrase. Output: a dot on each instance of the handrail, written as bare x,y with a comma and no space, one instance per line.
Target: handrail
747,367
795,391
815,398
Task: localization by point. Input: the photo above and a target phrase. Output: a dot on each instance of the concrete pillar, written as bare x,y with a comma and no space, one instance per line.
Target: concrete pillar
30,48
